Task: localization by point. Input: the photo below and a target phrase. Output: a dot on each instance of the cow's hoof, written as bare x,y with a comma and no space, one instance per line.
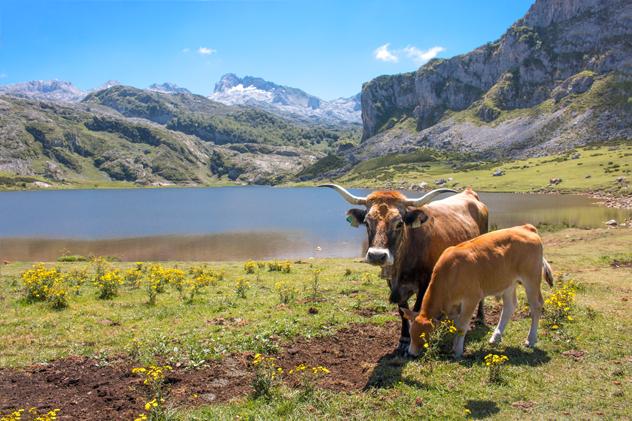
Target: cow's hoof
402,348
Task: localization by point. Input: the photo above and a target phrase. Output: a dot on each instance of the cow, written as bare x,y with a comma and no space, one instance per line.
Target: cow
491,264
407,236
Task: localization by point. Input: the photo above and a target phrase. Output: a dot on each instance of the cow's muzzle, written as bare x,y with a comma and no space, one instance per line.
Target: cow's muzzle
379,256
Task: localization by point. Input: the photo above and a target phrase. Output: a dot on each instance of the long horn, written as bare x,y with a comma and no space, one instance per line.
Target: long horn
427,198
354,200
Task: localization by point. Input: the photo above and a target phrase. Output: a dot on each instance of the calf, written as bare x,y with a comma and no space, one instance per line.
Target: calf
491,264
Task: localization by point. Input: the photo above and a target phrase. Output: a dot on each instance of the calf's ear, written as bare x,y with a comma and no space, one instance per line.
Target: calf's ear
415,217
408,313
356,217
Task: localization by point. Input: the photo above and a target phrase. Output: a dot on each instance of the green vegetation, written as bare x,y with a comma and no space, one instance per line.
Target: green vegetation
580,368
581,169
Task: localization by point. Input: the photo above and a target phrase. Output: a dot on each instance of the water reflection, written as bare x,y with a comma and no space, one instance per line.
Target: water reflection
232,223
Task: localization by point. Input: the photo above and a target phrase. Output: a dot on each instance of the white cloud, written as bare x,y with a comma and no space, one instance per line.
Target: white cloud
383,54
422,56
205,51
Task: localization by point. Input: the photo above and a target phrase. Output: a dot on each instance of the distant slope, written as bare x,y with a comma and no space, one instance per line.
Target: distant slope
285,101
51,90
130,135
559,77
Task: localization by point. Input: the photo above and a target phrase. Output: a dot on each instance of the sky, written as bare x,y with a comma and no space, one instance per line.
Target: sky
327,48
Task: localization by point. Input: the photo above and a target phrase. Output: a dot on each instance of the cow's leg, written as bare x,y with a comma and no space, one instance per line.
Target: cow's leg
404,336
480,313
534,297
510,302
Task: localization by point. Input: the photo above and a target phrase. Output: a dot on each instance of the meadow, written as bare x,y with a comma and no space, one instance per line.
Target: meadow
303,340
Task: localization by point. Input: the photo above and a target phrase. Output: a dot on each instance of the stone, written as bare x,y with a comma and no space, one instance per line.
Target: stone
498,173
611,223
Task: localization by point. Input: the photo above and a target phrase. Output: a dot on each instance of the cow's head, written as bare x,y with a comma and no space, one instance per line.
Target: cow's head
387,214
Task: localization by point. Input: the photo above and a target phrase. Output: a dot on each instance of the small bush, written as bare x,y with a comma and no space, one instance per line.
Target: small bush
287,292
267,376
250,266
494,362
241,287
106,279
283,267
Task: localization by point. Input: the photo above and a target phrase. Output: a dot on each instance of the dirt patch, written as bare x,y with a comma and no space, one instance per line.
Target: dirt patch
618,264
85,388
493,309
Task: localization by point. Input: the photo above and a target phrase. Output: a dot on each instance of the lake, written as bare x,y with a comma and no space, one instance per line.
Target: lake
226,223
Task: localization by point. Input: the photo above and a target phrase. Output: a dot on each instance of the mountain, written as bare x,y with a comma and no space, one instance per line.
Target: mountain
50,90
285,101
168,88
125,134
559,77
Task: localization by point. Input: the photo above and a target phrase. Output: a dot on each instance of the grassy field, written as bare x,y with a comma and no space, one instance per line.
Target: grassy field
583,370
581,170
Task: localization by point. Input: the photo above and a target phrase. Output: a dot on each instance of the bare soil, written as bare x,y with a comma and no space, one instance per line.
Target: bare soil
88,389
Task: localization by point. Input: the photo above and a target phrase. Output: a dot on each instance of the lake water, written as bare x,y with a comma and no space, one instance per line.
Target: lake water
228,223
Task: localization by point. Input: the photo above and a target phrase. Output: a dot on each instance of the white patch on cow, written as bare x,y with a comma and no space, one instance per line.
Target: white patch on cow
389,257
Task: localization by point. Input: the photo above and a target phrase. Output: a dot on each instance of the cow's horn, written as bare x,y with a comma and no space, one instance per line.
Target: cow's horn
426,198
354,200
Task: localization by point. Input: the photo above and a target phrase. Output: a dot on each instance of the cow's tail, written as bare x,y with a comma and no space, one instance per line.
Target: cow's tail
548,273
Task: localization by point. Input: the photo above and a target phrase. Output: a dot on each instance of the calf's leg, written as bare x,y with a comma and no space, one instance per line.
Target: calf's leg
510,301
462,323
534,297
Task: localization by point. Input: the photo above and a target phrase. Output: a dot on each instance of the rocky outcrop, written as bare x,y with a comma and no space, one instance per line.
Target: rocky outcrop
541,56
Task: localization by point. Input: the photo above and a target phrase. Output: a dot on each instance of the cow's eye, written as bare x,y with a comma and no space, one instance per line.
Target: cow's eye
399,225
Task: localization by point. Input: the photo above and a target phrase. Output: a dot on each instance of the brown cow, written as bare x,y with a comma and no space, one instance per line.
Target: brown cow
491,264
407,236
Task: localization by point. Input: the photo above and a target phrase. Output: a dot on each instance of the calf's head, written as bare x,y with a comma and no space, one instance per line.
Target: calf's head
420,330
386,215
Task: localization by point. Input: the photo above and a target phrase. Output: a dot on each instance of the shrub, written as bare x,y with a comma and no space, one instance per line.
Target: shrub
107,283
38,280
250,266
308,376
241,287
283,267
134,276
267,376
560,304
287,292
494,362
154,378
440,339
76,278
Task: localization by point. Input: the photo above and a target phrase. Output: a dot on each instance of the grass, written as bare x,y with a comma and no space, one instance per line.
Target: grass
603,165
540,384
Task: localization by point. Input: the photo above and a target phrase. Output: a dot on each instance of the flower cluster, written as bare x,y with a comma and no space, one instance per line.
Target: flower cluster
287,292
559,306
34,414
283,267
154,375
241,287
108,283
494,362
439,340
267,375
43,284
250,266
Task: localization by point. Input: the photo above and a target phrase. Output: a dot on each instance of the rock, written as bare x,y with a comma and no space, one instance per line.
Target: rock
498,173
41,184
450,178
611,223
620,179
576,155
555,181
588,176
423,185
440,182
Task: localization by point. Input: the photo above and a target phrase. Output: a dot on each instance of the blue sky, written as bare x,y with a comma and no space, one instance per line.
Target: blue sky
327,48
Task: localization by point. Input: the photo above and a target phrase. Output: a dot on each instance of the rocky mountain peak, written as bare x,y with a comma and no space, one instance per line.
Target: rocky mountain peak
52,90
168,88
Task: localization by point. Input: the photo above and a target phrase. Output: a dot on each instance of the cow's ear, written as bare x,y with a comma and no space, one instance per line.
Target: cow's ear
356,216
415,217
408,314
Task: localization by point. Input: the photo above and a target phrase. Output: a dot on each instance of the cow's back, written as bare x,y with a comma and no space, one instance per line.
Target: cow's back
454,220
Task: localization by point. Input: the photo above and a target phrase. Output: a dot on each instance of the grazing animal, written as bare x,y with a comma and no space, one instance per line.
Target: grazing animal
407,236
491,264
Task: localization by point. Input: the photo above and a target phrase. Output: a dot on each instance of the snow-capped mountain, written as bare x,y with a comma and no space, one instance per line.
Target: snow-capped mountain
50,90
168,88
285,100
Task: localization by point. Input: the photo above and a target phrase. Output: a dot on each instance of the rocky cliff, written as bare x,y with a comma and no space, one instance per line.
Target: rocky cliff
518,93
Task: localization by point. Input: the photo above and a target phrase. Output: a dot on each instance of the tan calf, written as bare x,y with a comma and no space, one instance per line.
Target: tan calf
491,264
